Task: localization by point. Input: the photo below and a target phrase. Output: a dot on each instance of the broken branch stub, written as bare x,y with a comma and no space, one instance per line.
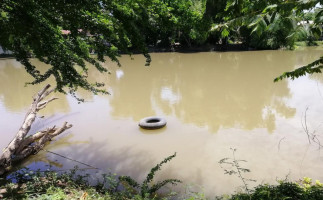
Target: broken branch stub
21,146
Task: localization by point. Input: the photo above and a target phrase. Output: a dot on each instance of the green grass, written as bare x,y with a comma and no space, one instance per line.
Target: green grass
304,43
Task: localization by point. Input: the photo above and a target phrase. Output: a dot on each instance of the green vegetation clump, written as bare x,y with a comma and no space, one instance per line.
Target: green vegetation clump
305,190
41,185
75,184
71,185
27,184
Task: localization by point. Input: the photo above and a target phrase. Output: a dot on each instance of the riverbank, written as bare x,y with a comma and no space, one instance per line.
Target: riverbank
198,48
180,49
73,185
304,44
217,47
6,56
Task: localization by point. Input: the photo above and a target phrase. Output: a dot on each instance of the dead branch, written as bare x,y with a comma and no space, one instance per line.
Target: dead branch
311,136
22,145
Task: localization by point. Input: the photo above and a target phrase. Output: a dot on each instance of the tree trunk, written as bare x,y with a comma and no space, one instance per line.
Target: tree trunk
22,145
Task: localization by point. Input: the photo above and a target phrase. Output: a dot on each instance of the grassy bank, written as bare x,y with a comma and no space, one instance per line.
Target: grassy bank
75,184
305,44
71,185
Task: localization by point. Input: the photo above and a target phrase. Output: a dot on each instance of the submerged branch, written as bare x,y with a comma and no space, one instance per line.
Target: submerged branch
22,146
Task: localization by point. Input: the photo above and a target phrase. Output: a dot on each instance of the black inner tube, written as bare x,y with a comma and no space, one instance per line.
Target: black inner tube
153,121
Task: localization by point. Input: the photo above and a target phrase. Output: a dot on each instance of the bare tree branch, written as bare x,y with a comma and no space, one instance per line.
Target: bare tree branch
22,146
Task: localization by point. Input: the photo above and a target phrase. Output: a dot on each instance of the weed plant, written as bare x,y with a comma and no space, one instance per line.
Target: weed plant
306,190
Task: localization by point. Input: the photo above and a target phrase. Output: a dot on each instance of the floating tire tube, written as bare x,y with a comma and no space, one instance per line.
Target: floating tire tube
152,123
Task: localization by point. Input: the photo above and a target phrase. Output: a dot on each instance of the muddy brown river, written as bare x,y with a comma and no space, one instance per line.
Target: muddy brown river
212,101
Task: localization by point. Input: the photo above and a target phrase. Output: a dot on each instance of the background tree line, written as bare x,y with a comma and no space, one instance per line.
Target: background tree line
110,27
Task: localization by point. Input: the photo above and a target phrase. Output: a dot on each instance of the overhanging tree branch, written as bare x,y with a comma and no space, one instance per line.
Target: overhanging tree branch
314,67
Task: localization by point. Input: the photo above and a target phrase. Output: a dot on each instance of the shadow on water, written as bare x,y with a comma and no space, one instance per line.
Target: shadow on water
123,161
153,132
43,159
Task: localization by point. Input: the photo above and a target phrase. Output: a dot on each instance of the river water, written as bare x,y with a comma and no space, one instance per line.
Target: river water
212,101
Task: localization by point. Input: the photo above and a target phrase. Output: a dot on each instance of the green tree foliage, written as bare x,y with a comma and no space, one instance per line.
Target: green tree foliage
314,67
269,24
316,29
180,22
34,28
108,27
263,24
62,33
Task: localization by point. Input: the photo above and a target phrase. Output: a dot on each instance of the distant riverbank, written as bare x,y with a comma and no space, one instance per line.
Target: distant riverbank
191,49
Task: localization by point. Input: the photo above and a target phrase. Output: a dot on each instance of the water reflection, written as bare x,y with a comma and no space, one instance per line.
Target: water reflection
16,97
214,90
